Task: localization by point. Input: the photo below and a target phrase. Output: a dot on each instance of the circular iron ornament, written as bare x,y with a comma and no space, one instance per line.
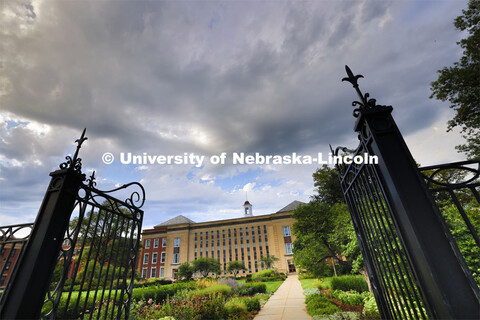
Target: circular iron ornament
475,176
82,193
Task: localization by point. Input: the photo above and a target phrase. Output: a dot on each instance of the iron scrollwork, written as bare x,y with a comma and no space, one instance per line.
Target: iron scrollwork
434,174
75,163
365,103
105,237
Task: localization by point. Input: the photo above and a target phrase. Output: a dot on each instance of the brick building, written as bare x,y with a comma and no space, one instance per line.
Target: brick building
246,239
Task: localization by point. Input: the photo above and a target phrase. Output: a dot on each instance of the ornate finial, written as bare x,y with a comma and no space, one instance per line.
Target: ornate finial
364,102
79,143
91,181
351,78
75,163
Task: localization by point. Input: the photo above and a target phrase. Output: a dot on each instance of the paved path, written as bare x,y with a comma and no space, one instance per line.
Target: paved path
287,303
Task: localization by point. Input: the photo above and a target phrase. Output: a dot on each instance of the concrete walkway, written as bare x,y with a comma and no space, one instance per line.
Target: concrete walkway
287,303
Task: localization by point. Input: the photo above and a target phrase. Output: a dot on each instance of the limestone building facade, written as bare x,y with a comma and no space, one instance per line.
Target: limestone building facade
246,239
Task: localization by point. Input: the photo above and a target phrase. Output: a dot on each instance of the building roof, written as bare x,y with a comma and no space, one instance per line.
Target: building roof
174,221
246,203
178,220
291,206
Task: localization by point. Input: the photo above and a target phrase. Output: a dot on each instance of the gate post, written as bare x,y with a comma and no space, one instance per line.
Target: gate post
27,292
445,283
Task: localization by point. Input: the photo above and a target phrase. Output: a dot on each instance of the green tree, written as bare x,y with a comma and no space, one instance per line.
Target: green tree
235,267
105,234
206,265
324,230
462,235
317,229
325,179
185,271
460,84
269,260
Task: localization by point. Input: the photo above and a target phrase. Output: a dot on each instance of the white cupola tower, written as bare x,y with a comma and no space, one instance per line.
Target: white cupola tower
247,208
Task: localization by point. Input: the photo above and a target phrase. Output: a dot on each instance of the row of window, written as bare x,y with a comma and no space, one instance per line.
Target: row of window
176,243
146,258
155,243
153,273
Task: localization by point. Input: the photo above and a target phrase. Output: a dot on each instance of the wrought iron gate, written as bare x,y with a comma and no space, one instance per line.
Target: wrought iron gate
80,260
415,266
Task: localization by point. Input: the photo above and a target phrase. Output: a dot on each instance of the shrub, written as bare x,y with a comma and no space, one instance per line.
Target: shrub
319,304
351,297
339,316
236,309
262,297
229,282
323,284
205,282
370,308
306,275
241,290
260,276
218,288
248,278
256,288
160,293
349,282
253,304
310,291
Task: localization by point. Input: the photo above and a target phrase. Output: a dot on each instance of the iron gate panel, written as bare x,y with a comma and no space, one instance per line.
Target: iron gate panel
98,257
393,282
415,266
12,243
455,188
80,258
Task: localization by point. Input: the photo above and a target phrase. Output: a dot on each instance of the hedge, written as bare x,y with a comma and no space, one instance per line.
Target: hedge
160,293
348,282
256,287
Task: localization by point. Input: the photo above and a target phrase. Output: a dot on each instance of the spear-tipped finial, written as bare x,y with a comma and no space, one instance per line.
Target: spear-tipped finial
79,143
75,163
364,102
351,78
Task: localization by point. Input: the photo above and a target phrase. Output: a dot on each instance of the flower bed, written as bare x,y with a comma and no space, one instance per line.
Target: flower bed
201,300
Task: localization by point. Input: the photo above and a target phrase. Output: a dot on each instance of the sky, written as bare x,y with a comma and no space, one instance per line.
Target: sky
209,77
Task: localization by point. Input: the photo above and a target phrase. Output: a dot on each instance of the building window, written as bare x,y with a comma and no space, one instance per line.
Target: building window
153,273
147,244
176,258
145,258
162,273
286,231
176,242
154,257
288,248
155,243
164,242
144,273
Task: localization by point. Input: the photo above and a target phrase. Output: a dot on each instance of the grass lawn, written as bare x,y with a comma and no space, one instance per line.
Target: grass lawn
272,286
308,283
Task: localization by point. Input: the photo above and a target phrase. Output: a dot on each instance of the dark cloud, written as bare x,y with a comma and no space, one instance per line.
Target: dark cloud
209,77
